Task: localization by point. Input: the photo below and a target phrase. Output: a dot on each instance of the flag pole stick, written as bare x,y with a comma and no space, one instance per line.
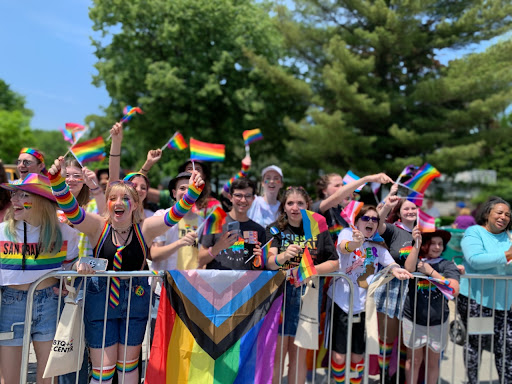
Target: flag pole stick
376,198
165,146
247,150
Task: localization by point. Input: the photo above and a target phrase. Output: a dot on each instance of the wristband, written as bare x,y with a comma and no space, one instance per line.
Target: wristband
210,252
431,272
277,262
144,170
111,155
346,248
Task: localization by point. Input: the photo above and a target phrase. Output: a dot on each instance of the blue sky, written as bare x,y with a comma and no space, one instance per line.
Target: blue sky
48,58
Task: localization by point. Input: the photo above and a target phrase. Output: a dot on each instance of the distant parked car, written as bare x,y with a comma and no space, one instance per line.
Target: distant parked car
12,172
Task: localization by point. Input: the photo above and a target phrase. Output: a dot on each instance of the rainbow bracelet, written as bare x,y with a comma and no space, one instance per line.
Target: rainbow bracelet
66,200
181,208
243,173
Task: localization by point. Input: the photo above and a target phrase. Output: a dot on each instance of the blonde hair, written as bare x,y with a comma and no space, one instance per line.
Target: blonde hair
121,186
465,212
84,195
50,235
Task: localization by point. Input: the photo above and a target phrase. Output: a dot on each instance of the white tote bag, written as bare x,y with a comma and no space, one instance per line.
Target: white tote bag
67,351
307,329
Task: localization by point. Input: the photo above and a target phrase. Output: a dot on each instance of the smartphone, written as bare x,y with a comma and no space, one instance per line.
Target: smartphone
97,264
234,227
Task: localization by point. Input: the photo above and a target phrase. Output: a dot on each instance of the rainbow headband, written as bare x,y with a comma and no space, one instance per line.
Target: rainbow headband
34,152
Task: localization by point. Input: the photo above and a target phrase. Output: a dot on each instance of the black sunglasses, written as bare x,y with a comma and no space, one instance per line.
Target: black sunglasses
368,218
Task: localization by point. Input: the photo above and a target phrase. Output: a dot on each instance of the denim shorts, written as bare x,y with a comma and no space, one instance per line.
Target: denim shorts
44,315
96,298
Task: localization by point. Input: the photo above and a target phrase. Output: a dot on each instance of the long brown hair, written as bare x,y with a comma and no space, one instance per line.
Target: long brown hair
282,220
84,194
322,183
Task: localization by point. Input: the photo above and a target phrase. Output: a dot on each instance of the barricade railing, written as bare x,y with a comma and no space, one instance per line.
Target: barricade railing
478,328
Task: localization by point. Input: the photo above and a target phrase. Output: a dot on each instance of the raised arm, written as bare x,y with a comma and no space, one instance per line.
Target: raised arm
114,159
157,225
345,191
88,223
390,202
411,262
91,181
246,165
152,158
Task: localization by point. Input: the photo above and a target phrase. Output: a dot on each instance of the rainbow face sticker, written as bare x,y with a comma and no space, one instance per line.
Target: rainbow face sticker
27,205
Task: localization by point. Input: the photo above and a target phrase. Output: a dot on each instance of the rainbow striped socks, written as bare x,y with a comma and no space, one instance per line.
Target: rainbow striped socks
357,372
338,372
385,355
106,374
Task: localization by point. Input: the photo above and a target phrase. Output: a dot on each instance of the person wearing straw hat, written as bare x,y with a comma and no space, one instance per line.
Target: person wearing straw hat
33,243
120,236
425,317
30,160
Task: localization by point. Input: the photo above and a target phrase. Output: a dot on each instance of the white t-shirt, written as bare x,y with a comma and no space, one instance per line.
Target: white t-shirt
360,267
11,272
262,212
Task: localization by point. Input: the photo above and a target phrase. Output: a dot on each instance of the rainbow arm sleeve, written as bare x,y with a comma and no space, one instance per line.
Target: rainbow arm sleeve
181,208
242,173
66,200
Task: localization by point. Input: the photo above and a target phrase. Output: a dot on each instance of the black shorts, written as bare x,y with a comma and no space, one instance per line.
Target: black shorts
339,332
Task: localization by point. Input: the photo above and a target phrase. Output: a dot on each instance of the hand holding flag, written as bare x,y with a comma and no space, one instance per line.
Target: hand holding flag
350,212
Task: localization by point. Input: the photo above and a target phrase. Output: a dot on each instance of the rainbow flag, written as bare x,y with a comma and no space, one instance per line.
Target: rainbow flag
350,212
177,141
306,267
416,198
350,177
216,327
200,150
265,253
90,150
313,223
251,136
422,179
214,222
129,112
426,223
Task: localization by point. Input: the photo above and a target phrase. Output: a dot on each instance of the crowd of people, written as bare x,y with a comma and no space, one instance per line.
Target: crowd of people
52,218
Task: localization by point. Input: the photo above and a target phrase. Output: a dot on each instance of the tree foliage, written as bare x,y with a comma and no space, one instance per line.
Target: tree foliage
186,63
378,96
14,123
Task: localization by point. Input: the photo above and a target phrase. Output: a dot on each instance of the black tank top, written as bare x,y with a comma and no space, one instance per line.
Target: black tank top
134,255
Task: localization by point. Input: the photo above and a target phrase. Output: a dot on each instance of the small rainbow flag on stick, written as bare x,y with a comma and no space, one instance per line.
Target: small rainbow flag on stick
213,223
200,150
350,212
129,112
265,252
306,267
422,179
251,136
426,223
313,223
74,127
177,142
90,150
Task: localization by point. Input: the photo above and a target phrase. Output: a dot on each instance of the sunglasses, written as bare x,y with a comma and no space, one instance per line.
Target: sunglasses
368,218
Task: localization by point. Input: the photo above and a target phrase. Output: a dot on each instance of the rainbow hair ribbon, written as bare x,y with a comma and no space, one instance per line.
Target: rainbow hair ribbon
181,208
66,200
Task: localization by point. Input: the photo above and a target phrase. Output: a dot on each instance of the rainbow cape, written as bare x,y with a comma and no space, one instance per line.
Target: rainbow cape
216,327
422,179
350,212
426,223
214,222
177,142
306,267
90,150
313,223
200,150
251,136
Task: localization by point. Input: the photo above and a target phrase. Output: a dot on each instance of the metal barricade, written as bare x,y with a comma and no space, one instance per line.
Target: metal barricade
480,332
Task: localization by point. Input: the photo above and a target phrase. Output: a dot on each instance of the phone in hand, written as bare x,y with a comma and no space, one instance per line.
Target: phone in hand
234,227
97,264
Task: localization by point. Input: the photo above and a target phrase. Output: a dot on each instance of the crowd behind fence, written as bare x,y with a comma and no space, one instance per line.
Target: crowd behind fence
479,328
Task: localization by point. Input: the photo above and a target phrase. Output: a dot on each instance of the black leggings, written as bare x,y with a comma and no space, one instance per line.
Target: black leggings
502,337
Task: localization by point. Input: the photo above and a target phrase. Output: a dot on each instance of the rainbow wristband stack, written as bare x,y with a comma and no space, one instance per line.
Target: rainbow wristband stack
181,208
243,173
66,200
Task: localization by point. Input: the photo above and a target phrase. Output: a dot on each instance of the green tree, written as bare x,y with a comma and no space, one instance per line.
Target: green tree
186,63
14,123
379,98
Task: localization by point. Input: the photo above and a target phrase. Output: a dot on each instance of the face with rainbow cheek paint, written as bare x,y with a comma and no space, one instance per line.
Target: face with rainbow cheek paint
21,204
120,207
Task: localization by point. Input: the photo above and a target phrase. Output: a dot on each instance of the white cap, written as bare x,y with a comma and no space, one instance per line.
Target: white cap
272,168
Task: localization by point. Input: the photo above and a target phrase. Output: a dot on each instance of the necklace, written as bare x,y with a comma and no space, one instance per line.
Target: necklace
122,232
124,239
